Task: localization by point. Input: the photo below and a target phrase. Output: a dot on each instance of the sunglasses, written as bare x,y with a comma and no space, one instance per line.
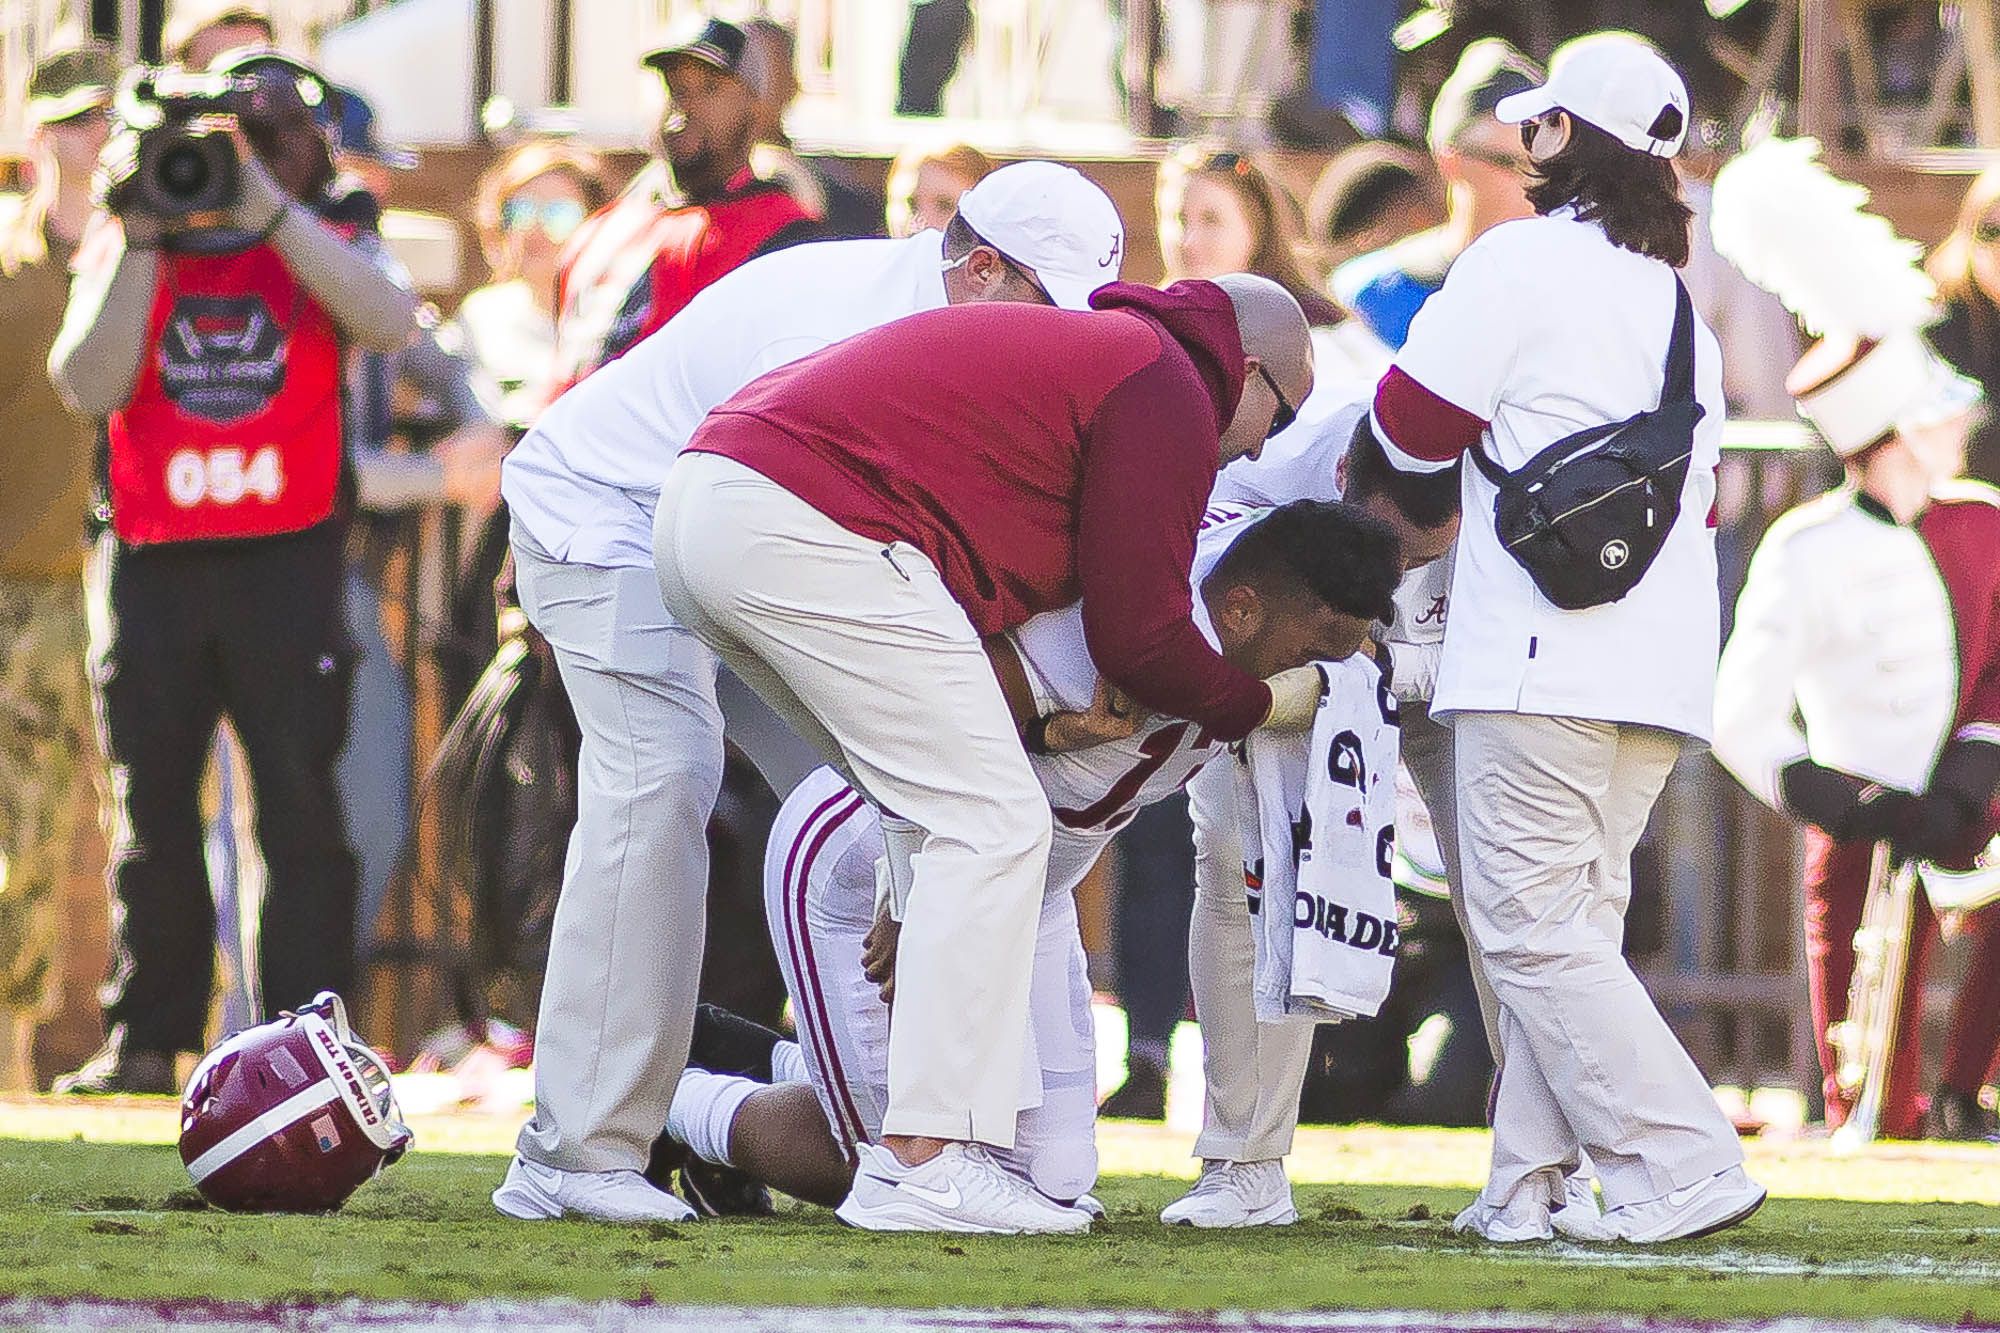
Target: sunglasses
1286,413
558,218
1530,128
1987,232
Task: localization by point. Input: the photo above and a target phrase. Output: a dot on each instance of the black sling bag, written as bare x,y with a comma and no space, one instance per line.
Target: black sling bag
1587,516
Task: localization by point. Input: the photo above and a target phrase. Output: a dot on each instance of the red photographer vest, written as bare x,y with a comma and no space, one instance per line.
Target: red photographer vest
636,264
233,430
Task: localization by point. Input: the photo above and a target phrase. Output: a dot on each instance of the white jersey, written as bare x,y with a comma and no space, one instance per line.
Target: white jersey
1095,792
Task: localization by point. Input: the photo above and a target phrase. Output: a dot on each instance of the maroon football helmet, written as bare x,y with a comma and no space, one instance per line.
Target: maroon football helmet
291,1116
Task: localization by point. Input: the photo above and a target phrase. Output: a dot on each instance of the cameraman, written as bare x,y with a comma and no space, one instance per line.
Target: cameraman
212,345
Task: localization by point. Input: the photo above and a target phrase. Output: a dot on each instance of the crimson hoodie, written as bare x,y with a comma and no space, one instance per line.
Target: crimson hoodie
1036,456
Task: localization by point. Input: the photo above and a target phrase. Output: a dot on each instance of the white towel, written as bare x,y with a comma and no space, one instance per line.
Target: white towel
1319,814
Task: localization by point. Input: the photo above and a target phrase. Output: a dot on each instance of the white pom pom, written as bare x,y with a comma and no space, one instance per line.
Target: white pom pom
1805,235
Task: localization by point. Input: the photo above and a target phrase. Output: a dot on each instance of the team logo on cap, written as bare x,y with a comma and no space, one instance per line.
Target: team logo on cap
1613,554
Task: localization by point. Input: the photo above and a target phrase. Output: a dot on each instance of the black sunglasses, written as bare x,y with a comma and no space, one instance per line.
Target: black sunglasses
1286,413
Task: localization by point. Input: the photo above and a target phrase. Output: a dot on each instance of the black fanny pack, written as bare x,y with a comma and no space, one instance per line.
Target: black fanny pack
1587,516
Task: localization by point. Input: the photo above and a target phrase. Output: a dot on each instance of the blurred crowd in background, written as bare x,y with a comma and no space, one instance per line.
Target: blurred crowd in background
1356,195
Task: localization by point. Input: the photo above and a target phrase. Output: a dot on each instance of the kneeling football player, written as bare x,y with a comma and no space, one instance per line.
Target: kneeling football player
1272,589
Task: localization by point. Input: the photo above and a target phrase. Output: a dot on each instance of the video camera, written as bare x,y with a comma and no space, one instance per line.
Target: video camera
183,160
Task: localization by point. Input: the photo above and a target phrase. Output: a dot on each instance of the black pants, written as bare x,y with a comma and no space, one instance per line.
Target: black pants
251,631
1149,933
1361,1070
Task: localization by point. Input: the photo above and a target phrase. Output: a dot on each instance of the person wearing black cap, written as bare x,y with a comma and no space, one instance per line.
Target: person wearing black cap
211,345
638,261
1480,161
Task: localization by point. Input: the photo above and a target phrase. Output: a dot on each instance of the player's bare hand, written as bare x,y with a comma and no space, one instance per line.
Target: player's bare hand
878,952
1112,716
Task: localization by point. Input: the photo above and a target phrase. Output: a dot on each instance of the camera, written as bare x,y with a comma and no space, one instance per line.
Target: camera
183,161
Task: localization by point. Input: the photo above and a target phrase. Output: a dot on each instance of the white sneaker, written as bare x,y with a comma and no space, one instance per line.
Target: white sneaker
1579,1216
1235,1194
960,1189
1700,1209
534,1193
1524,1217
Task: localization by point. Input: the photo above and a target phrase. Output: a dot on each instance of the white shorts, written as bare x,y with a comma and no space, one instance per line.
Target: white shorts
819,900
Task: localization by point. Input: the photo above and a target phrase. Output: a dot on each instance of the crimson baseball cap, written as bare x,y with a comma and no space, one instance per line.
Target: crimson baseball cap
1054,220
1617,82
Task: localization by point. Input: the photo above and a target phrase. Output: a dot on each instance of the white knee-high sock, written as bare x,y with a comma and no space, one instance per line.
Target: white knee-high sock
788,1063
704,1110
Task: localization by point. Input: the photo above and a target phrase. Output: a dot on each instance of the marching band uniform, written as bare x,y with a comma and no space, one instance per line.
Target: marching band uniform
1883,638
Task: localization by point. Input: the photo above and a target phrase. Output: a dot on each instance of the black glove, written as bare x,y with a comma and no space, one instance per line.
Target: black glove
1951,815
1847,808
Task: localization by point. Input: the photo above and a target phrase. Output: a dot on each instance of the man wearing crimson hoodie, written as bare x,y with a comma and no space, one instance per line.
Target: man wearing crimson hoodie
845,530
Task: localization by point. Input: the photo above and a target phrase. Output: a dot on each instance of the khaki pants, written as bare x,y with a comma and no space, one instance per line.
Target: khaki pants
1549,810
860,647
1253,1070
625,951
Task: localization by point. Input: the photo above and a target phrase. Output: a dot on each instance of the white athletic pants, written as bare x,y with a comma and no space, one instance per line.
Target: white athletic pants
1549,810
1254,1071
819,900
625,957
861,648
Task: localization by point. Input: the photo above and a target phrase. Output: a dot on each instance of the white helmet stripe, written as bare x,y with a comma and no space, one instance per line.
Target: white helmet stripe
282,1116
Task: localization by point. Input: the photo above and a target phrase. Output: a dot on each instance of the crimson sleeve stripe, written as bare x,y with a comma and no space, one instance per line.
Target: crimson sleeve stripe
1419,426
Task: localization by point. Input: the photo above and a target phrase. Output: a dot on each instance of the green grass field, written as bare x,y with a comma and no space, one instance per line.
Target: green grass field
1903,1231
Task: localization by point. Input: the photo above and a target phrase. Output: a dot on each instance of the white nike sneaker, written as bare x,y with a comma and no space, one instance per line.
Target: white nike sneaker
1579,1216
961,1189
535,1193
1235,1194
1700,1209
1523,1218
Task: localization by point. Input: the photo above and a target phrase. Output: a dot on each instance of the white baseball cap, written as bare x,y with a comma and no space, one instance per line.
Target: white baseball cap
1050,218
1617,82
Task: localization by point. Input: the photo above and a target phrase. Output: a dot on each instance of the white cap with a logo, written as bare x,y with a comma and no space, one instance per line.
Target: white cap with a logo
1050,219
1617,82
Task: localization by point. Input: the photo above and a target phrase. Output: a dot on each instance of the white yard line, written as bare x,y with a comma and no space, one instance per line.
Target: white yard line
579,1317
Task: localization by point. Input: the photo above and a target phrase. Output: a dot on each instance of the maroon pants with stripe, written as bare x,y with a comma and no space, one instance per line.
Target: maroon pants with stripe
1836,885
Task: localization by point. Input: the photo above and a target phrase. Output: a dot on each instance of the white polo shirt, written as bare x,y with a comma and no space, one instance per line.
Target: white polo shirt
1544,328
584,482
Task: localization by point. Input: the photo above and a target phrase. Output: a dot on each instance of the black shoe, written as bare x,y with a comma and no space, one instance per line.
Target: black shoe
1142,1096
726,1043
115,1071
1959,1116
723,1191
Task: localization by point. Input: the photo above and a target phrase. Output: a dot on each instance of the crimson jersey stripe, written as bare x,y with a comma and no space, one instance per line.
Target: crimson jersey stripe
805,963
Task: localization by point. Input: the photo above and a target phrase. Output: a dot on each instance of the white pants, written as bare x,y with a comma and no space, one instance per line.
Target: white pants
1427,753
625,956
1549,810
819,900
1253,1070
862,649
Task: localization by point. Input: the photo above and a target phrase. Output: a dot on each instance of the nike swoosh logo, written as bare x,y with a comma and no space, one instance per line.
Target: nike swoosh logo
945,1196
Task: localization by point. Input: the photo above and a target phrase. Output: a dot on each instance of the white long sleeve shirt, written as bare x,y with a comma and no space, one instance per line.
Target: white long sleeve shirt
586,479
